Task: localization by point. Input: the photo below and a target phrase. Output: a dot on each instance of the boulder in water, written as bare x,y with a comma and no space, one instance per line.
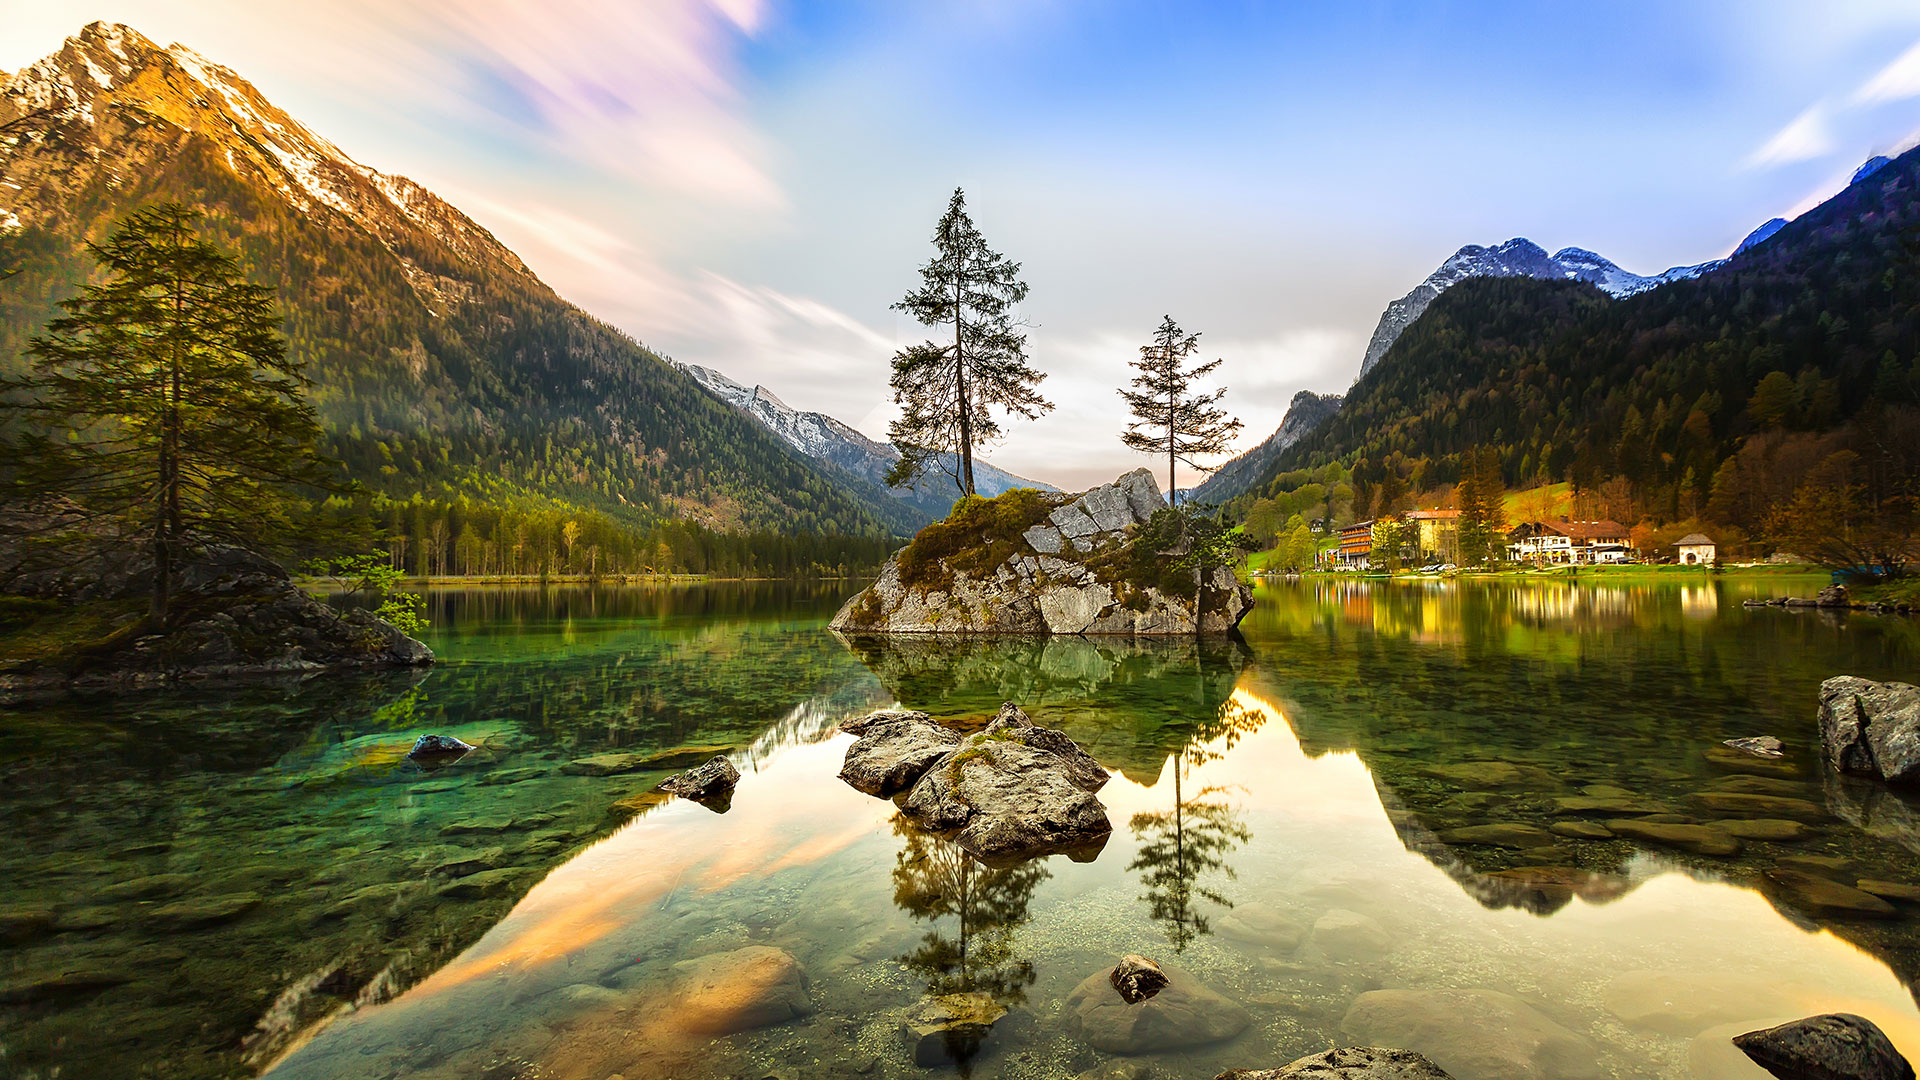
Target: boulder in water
950,1027
893,751
1834,1046
710,784
438,747
1871,729
729,992
1137,978
1183,1013
1011,793
1760,746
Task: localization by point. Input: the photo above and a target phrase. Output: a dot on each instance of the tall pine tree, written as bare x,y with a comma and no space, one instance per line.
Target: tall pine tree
1170,417
162,407
947,389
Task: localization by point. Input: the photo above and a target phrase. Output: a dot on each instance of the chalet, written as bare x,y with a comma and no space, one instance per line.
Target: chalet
1696,549
1572,542
1356,546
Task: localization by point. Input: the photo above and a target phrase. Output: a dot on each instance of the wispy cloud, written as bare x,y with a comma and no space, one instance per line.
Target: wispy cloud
1806,137
1897,81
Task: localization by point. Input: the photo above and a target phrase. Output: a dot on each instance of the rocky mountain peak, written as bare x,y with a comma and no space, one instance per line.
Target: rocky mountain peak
93,110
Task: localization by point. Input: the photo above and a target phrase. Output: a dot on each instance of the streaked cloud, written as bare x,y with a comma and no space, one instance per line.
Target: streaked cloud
1897,81
1804,138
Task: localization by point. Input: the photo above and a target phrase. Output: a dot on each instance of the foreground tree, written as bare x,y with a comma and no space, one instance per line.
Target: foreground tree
947,390
1170,416
163,404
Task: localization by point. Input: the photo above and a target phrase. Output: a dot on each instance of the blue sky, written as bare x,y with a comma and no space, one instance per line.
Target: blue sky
750,183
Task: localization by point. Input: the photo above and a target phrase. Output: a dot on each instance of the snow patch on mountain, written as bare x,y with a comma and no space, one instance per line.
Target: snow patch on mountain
824,438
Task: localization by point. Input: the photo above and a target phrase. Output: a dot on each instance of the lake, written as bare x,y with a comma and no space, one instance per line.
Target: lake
1493,822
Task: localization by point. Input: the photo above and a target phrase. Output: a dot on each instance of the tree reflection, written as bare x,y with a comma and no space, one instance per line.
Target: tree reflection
974,953
1180,846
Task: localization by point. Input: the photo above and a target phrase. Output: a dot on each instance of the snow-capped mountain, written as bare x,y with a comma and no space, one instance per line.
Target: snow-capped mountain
1520,257
1304,413
110,76
823,438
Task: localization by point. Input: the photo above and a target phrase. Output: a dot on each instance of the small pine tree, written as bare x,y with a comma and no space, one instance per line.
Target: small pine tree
947,392
163,404
1479,499
1170,418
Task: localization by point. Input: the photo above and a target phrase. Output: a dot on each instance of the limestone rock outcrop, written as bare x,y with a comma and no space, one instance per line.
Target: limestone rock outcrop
1059,576
1871,729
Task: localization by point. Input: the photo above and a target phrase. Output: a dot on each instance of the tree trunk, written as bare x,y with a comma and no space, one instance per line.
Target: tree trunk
960,386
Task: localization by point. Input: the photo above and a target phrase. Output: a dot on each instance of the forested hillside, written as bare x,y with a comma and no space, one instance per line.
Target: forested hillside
446,374
1714,398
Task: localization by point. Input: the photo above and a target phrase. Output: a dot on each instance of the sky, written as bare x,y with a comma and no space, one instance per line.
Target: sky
750,184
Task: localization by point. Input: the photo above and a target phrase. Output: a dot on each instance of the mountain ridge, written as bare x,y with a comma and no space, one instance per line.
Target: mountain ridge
443,367
827,439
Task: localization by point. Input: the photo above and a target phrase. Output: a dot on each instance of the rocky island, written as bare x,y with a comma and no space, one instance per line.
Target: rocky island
1107,561
235,613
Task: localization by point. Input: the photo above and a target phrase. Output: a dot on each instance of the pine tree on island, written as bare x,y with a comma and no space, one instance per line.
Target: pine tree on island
1171,418
163,406
947,389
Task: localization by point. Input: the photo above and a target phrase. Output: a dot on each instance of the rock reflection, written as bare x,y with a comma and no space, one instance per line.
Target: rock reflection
973,971
1128,702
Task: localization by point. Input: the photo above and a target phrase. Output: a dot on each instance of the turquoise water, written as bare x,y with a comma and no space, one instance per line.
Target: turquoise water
1388,803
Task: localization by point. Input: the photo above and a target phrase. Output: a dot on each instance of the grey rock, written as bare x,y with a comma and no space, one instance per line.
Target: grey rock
1833,596
1137,978
1348,1063
1012,724
1008,797
892,754
1834,1046
859,725
711,783
1871,729
1183,1013
438,746
1478,1033
1050,591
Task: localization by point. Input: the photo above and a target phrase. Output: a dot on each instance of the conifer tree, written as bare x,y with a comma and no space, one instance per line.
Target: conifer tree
1478,497
163,406
947,389
1170,417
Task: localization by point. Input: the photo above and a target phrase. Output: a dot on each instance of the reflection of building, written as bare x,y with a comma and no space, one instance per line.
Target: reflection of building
1356,545
1566,541
1437,534
1696,549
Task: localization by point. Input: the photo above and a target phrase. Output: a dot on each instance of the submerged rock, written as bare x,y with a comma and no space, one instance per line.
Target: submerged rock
1816,895
710,784
1835,1046
1699,839
1685,1002
950,1027
729,992
1761,746
1137,978
1183,1013
1871,729
1066,574
1483,1034
1348,1063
